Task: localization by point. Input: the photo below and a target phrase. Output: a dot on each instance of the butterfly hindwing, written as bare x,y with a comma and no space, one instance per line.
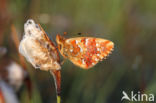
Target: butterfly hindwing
85,52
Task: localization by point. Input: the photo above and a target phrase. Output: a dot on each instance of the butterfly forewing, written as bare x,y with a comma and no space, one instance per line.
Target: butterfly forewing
86,52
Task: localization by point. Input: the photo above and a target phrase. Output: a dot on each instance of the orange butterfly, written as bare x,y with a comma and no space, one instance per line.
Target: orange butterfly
84,52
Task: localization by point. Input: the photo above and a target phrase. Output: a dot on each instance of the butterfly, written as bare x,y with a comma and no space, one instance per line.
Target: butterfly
38,49
84,52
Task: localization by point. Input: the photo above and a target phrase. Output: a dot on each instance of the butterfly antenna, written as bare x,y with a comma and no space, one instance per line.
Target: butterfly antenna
79,33
62,62
82,34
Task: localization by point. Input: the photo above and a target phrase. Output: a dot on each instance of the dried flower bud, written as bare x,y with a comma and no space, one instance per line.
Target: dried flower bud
37,48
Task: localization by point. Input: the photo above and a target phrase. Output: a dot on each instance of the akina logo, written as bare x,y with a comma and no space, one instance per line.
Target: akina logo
137,96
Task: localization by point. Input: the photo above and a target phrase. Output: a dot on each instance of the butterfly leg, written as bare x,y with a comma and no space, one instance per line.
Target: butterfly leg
62,62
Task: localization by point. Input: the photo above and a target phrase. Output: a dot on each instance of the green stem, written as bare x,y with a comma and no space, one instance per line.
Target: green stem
58,99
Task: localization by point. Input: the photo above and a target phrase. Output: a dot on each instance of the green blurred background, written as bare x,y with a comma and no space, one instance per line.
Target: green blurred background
130,24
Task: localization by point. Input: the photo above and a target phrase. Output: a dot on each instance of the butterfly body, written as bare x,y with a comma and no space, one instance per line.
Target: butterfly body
84,52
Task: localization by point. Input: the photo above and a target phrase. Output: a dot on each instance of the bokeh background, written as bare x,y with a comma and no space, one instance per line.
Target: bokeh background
130,24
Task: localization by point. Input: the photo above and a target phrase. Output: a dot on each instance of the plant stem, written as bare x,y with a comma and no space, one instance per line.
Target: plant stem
58,99
57,79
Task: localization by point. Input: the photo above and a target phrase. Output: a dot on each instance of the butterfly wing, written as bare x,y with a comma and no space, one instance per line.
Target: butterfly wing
86,52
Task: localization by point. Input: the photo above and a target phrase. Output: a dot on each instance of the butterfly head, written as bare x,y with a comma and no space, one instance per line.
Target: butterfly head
60,41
